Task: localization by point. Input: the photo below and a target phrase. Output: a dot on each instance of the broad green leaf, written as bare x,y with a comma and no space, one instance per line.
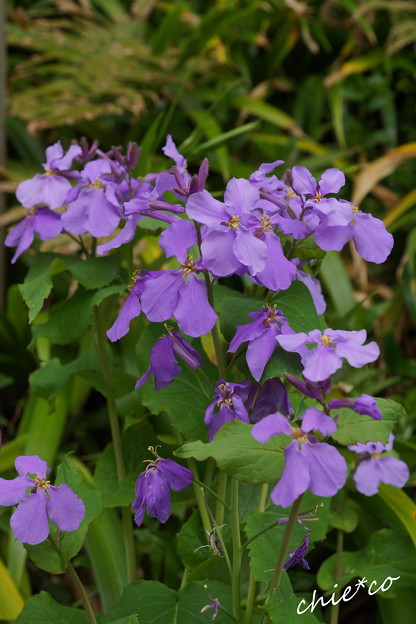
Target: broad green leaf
264,549
155,603
11,601
387,554
353,428
69,320
269,113
70,543
239,454
282,606
92,273
136,440
189,541
402,506
42,609
345,519
337,282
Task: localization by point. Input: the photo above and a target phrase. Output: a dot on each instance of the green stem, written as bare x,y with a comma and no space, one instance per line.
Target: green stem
117,443
221,496
208,489
200,499
284,546
237,550
338,574
80,589
252,585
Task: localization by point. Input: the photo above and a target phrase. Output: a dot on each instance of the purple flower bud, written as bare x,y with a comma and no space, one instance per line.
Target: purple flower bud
298,555
311,389
364,404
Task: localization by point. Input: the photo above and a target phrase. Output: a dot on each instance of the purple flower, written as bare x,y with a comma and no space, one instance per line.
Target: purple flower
370,237
179,292
49,188
271,397
262,181
153,487
94,209
163,364
39,220
30,520
261,335
131,308
311,389
298,555
331,346
309,464
228,404
364,404
376,467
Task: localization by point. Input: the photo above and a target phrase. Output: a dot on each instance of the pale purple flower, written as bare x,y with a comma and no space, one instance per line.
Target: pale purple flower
228,404
51,187
131,308
309,464
377,467
364,404
38,220
261,335
163,363
153,487
37,500
264,182
331,346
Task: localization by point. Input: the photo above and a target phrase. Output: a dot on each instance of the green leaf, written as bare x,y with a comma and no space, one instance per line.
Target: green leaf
135,440
402,506
387,554
70,319
92,273
264,548
345,519
353,428
42,609
155,603
239,454
282,606
189,541
70,543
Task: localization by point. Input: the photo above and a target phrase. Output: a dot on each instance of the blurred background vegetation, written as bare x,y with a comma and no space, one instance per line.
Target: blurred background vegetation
321,83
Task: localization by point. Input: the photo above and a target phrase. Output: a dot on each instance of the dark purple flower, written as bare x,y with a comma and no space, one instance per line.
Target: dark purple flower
39,220
377,467
364,404
298,555
309,464
153,487
271,397
186,184
131,308
37,500
51,187
163,363
331,346
261,335
310,388
228,404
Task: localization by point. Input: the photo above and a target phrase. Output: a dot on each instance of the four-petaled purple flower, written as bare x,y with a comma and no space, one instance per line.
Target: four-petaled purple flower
228,404
309,464
331,346
153,487
38,220
163,364
298,556
377,467
37,500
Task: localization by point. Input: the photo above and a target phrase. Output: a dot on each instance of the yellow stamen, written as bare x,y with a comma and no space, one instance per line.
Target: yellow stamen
48,171
189,267
290,194
326,340
234,222
265,222
135,276
318,197
97,185
42,484
298,434
376,455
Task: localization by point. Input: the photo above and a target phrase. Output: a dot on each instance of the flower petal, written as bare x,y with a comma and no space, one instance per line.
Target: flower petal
157,495
271,425
31,464
178,477
161,295
194,314
295,478
202,207
177,239
327,467
30,520
13,490
65,508
314,419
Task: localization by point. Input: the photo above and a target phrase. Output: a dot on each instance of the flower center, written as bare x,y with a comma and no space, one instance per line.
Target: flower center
135,276
48,171
298,435
265,223
189,267
234,222
376,455
42,484
273,316
326,340
96,185
290,194
318,197
227,394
